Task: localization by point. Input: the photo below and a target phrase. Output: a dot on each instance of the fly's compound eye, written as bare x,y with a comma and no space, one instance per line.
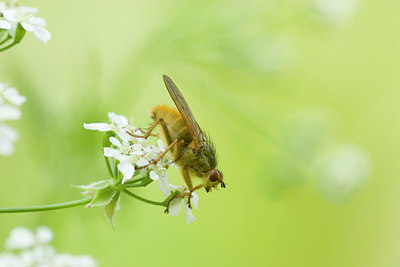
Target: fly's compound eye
213,176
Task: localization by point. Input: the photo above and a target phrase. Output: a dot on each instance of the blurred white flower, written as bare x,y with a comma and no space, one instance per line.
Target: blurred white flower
337,12
10,101
73,261
44,235
341,173
20,238
34,250
8,259
8,136
12,15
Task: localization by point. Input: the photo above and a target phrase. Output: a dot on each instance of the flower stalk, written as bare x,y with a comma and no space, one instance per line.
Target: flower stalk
63,205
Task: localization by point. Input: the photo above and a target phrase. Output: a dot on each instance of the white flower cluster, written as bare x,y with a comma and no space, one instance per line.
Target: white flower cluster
132,153
10,101
11,15
25,248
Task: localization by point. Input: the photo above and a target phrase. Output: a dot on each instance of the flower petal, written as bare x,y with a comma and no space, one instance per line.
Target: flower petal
4,24
37,21
115,141
42,34
189,215
195,200
127,170
165,186
119,120
111,152
154,176
27,26
175,206
102,127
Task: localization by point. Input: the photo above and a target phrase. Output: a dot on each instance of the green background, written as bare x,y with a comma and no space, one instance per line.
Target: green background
248,69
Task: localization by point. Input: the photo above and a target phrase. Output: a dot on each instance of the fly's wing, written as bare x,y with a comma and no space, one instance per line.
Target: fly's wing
185,111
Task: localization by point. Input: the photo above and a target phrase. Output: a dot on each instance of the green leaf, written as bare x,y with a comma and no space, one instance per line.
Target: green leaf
103,196
2,32
19,34
111,208
94,186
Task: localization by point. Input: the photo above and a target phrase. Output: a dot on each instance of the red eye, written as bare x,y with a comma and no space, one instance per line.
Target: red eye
213,176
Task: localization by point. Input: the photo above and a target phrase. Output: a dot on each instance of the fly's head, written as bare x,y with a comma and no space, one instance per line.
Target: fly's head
214,178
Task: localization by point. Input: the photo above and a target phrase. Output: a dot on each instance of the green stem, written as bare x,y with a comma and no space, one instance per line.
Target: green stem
109,167
7,47
163,203
64,205
6,39
144,182
116,172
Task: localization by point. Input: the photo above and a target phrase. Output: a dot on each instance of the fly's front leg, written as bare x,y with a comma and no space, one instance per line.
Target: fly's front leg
152,127
162,154
144,132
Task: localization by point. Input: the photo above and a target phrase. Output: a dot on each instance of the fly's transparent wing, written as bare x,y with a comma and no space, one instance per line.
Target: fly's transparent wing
185,111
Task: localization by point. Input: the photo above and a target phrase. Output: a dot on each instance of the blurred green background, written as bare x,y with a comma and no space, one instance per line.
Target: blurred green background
301,105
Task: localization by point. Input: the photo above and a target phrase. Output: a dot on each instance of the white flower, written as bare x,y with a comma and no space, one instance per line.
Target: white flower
8,136
10,101
133,153
119,124
25,16
11,260
44,235
176,205
126,154
20,238
12,95
337,12
159,173
74,261
34,250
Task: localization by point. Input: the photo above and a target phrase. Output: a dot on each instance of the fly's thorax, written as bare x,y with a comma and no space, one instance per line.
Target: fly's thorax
199,162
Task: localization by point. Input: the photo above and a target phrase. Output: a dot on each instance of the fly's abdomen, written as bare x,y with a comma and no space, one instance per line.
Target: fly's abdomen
173,119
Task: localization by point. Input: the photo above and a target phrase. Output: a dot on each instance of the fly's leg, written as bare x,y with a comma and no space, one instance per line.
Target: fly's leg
144,132
167,137
152,127
162,154
148,133
189,194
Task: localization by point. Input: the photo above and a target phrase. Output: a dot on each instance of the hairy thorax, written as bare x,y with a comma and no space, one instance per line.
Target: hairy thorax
198,162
